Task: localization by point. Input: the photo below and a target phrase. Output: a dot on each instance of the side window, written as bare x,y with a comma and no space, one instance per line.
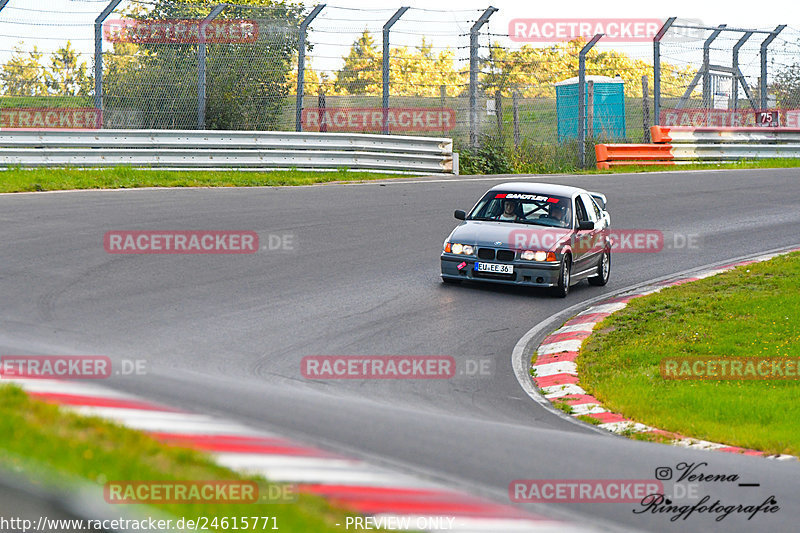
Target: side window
580,210
597,209
589,207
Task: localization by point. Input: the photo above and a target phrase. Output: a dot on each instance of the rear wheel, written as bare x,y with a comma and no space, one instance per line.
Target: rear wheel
603,270
562,289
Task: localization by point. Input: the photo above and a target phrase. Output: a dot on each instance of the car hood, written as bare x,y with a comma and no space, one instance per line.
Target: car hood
509,235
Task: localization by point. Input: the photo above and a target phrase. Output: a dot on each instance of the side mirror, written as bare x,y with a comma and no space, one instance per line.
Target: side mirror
586,225
460,214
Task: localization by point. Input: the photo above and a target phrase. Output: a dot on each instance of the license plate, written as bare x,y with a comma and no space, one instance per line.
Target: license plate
494,268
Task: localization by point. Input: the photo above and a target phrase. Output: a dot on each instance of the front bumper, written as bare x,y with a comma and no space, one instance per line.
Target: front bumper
527,273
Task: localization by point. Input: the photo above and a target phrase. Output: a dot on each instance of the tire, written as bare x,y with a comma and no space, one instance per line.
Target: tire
604,270
562,289
451,281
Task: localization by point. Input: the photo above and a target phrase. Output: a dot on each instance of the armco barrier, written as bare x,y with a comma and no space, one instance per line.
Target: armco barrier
683,145
206,149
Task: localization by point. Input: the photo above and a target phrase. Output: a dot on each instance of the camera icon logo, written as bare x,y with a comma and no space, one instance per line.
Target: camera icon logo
663,473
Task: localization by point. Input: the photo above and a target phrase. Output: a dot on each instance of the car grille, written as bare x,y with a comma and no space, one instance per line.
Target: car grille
505,255
491,253
485,253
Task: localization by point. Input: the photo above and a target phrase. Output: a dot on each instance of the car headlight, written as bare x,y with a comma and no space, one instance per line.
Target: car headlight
537,255
459,249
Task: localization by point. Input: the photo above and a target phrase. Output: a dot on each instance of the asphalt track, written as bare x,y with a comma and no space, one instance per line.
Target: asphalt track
225,334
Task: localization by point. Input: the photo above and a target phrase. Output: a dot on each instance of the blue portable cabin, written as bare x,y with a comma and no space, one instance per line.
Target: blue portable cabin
609,107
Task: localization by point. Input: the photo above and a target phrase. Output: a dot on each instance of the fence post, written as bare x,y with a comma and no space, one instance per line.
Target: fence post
323,126
473,74
590,109
764,46
385,101
301,67
645,112
98,54
657,68
443,100
498,112
201,66
515,104
737,77
581,104
706,70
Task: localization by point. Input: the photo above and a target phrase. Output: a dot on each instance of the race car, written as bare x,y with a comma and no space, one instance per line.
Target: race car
531,234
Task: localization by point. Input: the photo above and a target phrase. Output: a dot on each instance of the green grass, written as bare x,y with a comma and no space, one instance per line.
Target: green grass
45,179
97,451
46,101
750,311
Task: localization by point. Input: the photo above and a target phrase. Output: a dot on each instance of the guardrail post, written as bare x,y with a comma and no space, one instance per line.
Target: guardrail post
737,74
385,67
657,68
473,74
201,66
764,46
581,95
98,53
301,66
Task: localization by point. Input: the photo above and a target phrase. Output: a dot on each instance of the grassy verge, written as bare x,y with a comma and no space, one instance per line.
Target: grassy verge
99,451
750,311
56,179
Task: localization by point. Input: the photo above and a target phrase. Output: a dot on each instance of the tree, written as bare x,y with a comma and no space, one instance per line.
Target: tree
411,73
246,82
67,76
534,71
361,72
786,87
24,74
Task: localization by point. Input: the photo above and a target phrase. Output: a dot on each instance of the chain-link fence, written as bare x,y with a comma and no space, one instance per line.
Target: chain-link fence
238,65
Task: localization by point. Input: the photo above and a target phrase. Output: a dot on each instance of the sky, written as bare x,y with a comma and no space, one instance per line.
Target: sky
47,24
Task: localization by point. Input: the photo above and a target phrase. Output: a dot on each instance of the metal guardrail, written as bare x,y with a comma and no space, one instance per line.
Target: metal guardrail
686,134
205,149
683,145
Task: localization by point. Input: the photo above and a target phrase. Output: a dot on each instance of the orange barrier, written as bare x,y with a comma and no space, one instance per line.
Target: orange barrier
660,134
633,153
740,135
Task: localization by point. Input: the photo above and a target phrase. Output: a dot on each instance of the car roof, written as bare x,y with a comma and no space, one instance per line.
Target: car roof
538,188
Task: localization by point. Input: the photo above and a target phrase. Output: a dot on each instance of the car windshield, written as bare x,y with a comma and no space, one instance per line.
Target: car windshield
524,208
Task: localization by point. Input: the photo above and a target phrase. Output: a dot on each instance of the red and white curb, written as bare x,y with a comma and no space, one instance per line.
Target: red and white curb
556,373
352,484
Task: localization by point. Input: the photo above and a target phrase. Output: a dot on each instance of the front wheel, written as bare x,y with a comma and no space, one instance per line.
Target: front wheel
603,270
562,289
